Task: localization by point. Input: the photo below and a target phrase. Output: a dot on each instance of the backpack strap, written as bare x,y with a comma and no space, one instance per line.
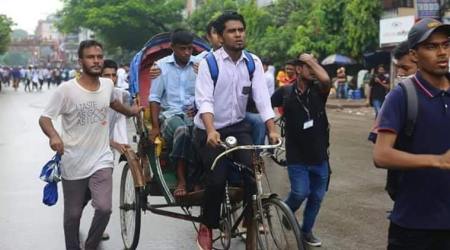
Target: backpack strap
213,68
250,62
287,91
412,105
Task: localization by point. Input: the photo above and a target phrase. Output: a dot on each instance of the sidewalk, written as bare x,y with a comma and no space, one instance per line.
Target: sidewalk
334,103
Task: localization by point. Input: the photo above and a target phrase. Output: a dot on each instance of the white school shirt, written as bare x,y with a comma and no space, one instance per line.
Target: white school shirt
85,127
226,101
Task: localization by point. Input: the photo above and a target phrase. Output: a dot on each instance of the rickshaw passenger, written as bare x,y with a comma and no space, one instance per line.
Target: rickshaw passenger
172,103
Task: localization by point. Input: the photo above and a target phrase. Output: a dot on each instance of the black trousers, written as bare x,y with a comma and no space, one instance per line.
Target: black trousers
413,239
215,179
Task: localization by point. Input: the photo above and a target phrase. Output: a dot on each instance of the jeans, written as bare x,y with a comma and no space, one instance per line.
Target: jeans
377,106
342,90
307,182
400,238
258,127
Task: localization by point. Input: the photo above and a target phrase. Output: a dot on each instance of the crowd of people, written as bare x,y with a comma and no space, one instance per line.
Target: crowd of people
192,111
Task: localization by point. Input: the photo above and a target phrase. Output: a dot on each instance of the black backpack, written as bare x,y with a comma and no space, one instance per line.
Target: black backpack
404,139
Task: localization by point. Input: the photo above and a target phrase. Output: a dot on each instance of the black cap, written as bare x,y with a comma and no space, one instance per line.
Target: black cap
422,30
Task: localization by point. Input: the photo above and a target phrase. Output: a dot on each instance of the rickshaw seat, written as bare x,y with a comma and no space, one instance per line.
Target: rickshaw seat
196,198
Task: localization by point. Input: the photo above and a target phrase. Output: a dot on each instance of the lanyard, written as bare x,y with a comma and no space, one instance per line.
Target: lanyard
305,107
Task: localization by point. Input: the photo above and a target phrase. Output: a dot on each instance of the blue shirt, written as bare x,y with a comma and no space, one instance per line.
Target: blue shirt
175,85
423,199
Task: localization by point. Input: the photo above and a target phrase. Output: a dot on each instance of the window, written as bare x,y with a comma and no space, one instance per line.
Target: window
405,3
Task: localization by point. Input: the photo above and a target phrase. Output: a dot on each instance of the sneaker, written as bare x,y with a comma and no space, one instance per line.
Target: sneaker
105,236
204,238
311,240
286,224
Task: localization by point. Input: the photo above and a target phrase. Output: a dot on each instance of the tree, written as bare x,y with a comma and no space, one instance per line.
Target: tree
122,23
16,58
361,26
208,11
5,33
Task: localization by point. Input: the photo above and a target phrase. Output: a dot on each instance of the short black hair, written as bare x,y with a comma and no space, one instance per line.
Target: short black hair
401,50
108,63
293,62
211,25
87,44
181,36
228,16
266,61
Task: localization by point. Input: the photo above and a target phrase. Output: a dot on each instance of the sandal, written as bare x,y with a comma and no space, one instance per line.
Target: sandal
180,191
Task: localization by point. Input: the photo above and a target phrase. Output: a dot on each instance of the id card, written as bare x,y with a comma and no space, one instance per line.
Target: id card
308,124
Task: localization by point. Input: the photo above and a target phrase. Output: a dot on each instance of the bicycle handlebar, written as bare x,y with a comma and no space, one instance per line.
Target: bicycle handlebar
230,148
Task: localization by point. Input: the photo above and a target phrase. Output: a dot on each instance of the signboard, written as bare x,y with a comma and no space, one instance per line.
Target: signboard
428,8
395,30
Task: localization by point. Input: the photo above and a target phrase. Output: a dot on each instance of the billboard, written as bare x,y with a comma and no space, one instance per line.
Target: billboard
395,30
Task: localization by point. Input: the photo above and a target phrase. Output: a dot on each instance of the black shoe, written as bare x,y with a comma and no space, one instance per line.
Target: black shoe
311,240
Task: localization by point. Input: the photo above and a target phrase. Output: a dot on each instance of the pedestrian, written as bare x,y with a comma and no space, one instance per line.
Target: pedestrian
117,122
420,218
288,76
83,142
122,77
307,140
220,116
403,61
341,84
34,78
172,104
379,86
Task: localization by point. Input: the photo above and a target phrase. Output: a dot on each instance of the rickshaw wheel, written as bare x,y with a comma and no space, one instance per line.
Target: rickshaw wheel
222,236
130,209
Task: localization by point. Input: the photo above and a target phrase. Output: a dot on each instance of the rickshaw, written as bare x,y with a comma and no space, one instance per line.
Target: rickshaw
147,173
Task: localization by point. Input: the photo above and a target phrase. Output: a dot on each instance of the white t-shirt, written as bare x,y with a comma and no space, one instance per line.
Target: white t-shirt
118,121
85,127
122,81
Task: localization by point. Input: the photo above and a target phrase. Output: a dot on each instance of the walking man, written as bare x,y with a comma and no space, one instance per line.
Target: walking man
307,140
83,142
420,219
221,113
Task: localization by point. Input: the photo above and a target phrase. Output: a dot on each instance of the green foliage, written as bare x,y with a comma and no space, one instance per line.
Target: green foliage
361,26
5,33
288,27
19,34
210,10
122,23
16,58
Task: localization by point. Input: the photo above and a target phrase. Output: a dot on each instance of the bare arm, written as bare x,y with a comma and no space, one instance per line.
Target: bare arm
319,71
128,111
155,109
49,130
213,136
386,156
274,137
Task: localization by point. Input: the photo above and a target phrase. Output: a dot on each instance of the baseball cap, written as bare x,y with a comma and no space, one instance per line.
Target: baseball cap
422,30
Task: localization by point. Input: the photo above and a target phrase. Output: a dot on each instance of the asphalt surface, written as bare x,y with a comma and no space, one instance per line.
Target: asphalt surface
353,214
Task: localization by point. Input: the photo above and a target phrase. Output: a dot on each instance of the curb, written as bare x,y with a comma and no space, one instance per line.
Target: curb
346,105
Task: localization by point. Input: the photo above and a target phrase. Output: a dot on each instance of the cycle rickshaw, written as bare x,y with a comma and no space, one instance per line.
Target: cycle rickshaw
147,173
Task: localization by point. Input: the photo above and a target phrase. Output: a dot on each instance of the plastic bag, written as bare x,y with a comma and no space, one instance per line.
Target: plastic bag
51,174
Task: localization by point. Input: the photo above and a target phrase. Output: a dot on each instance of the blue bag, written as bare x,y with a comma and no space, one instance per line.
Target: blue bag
50,196
51,173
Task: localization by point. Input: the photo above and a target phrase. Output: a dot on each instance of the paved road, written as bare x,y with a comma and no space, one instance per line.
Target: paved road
353,215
